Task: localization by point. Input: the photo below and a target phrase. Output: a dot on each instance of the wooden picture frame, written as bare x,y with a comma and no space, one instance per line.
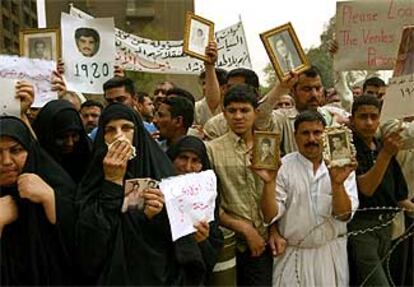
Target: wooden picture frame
404,65
41,43
198,32
266,152
284,50
338,147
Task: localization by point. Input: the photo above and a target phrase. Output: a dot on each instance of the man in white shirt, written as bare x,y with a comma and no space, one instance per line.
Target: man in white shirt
311,206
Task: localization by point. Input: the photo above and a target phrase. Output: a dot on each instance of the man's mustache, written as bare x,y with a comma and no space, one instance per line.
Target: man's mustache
309,144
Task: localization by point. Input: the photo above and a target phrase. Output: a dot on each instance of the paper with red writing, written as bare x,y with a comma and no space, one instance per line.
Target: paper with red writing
368,33
189,199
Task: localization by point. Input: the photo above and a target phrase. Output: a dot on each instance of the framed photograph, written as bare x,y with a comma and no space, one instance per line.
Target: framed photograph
284,50
40,43
338,145
266,150
405,59
197,33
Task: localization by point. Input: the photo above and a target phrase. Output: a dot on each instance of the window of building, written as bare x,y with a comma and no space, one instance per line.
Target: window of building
15,9
7,43
6,22
15,28
26,19
5,4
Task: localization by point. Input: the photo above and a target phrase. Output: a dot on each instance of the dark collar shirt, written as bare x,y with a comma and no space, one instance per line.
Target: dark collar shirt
393,187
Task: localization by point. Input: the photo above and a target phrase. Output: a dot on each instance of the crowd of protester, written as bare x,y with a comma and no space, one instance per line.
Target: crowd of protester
63,169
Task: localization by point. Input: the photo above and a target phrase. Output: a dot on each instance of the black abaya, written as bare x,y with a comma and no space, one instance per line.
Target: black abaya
118,248
34,251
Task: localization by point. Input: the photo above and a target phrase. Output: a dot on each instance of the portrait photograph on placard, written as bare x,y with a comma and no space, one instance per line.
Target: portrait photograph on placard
88,51
405,59
41,44
338,146
266,150
284,50
197,33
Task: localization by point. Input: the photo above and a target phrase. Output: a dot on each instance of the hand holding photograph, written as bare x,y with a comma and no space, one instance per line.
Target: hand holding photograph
266,150
338,146
197,33
134,192
284,50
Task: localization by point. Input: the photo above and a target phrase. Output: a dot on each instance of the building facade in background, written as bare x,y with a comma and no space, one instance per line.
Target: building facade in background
15,15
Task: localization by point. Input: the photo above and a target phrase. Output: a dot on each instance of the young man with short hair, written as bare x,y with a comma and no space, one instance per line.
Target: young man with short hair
90,112
173,118
376,87
147,110
240,189
380,184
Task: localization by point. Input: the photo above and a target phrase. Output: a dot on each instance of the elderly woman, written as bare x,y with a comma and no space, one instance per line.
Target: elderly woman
36,211
189,155
130,246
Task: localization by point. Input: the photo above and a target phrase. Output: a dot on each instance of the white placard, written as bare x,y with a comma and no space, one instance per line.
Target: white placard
399,99
369,32
38,72
153,56
189,198
88,51
9,105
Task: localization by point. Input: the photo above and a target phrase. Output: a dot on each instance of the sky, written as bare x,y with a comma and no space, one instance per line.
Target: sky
307,17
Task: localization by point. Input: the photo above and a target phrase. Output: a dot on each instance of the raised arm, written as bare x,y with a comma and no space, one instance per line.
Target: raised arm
212,87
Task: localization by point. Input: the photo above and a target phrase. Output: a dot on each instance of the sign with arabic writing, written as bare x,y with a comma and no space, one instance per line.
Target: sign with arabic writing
37,72
399,100
189,198
145,55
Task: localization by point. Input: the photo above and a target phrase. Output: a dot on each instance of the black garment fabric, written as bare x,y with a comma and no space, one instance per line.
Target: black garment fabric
211,247
53,121
393,187
34,251
116,248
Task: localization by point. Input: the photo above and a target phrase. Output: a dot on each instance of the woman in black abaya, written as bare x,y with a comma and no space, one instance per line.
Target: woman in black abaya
36,210
188,155
60,132
133,247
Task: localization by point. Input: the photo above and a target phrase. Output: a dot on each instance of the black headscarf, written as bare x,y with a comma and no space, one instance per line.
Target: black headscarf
33,251
54,120
193,144
210,248
126,248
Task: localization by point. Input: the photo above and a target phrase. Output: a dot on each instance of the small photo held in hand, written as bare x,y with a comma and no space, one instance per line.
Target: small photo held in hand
338,146
197,33
284,50
266,150
134,192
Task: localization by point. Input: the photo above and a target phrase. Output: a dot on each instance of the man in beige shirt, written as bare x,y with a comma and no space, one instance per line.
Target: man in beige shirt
240,189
